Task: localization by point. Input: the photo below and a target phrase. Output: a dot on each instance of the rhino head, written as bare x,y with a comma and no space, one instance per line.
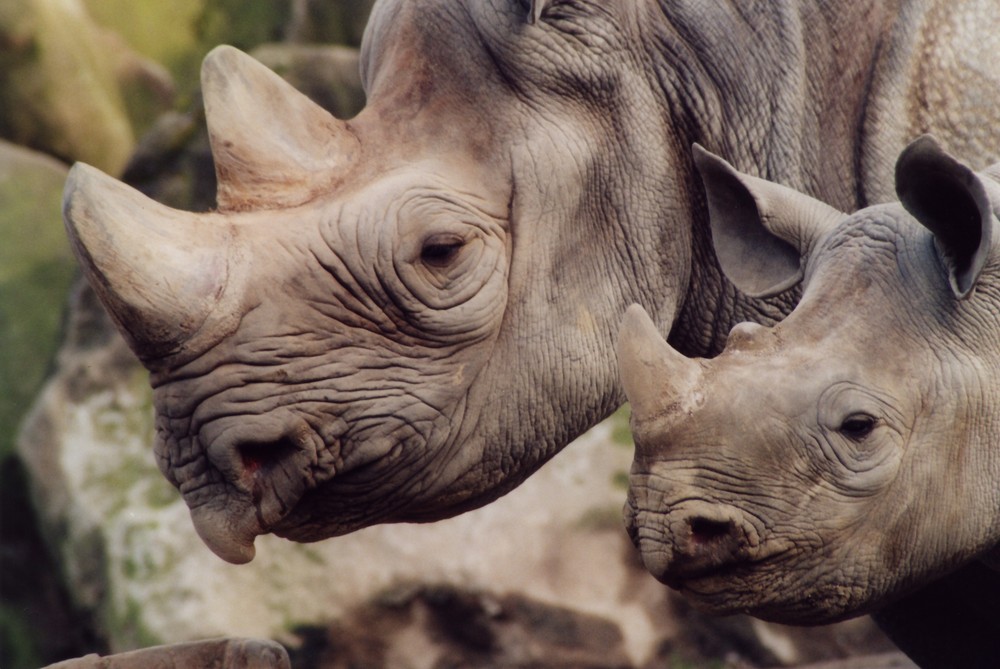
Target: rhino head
401,316
823,467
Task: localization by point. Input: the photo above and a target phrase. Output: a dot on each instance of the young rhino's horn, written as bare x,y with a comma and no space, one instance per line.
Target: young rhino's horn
273,146
660,382
164,275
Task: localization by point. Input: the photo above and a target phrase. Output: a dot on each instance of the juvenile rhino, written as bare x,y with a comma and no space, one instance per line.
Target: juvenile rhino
401,316
830,465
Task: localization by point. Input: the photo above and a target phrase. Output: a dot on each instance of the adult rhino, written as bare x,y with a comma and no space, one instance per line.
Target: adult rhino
847,457
400,317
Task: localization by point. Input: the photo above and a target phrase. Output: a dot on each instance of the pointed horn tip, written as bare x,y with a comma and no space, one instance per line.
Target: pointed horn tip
91,197
86,188
635,322
638,341
225,57
221,64
80,176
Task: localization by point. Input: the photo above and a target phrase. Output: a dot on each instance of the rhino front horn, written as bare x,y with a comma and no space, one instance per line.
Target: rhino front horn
165,276
658,380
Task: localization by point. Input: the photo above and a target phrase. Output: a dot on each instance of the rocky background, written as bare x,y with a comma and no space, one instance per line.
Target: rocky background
97,553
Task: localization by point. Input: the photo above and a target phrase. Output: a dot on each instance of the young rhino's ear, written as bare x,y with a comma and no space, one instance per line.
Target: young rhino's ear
761,230
951,201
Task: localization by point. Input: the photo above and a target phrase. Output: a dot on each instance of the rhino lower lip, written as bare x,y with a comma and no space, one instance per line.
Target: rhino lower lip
684,578
229,535
264,477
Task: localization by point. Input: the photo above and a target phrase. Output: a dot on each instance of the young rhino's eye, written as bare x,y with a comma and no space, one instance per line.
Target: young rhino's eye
857,426
440,250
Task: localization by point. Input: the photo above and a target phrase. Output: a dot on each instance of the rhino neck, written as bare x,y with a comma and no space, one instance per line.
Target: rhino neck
784,93
783,96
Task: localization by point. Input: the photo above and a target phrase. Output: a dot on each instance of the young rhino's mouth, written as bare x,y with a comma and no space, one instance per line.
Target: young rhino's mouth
692,540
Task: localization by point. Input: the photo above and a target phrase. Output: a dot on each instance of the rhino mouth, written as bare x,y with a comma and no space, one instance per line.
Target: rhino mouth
696,546
254,474
298,486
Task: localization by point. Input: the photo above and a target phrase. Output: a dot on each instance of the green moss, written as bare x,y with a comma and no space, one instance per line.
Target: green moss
141,565
36,270
310,553
601,518
620,432
161,31
18,641
126,627
160,494
242,24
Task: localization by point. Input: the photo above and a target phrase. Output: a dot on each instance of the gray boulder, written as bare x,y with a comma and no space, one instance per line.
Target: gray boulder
218,654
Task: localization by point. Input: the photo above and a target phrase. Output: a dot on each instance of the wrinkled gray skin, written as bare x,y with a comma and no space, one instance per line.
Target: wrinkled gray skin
825,467
400,317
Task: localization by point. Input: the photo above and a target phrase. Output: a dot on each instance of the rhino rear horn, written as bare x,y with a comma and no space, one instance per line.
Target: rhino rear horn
165,276
273,146
951,201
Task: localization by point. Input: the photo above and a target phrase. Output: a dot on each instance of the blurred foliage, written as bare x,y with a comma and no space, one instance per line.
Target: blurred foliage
242,24
161,31
58,87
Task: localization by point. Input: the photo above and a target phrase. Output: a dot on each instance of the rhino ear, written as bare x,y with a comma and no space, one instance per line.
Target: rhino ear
761,230
951,201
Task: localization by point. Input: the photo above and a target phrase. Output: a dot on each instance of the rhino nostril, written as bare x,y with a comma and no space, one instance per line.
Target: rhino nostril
257,456
706,531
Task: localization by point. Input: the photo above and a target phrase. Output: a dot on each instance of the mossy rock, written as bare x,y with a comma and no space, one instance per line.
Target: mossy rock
58,87
36,269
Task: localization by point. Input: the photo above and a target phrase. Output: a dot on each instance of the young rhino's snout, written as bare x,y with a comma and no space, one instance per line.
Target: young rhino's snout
680,532
690,540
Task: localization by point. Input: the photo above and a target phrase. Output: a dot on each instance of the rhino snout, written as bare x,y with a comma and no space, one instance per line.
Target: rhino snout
692,541
267,464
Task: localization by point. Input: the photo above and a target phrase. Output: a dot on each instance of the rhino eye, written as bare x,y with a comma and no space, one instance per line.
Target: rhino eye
857,426
440,250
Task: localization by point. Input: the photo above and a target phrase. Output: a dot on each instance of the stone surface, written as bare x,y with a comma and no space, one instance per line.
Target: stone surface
213,654
442,626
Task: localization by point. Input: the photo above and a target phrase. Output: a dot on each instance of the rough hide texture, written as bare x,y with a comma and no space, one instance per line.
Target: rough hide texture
550,557
402,316
845,460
